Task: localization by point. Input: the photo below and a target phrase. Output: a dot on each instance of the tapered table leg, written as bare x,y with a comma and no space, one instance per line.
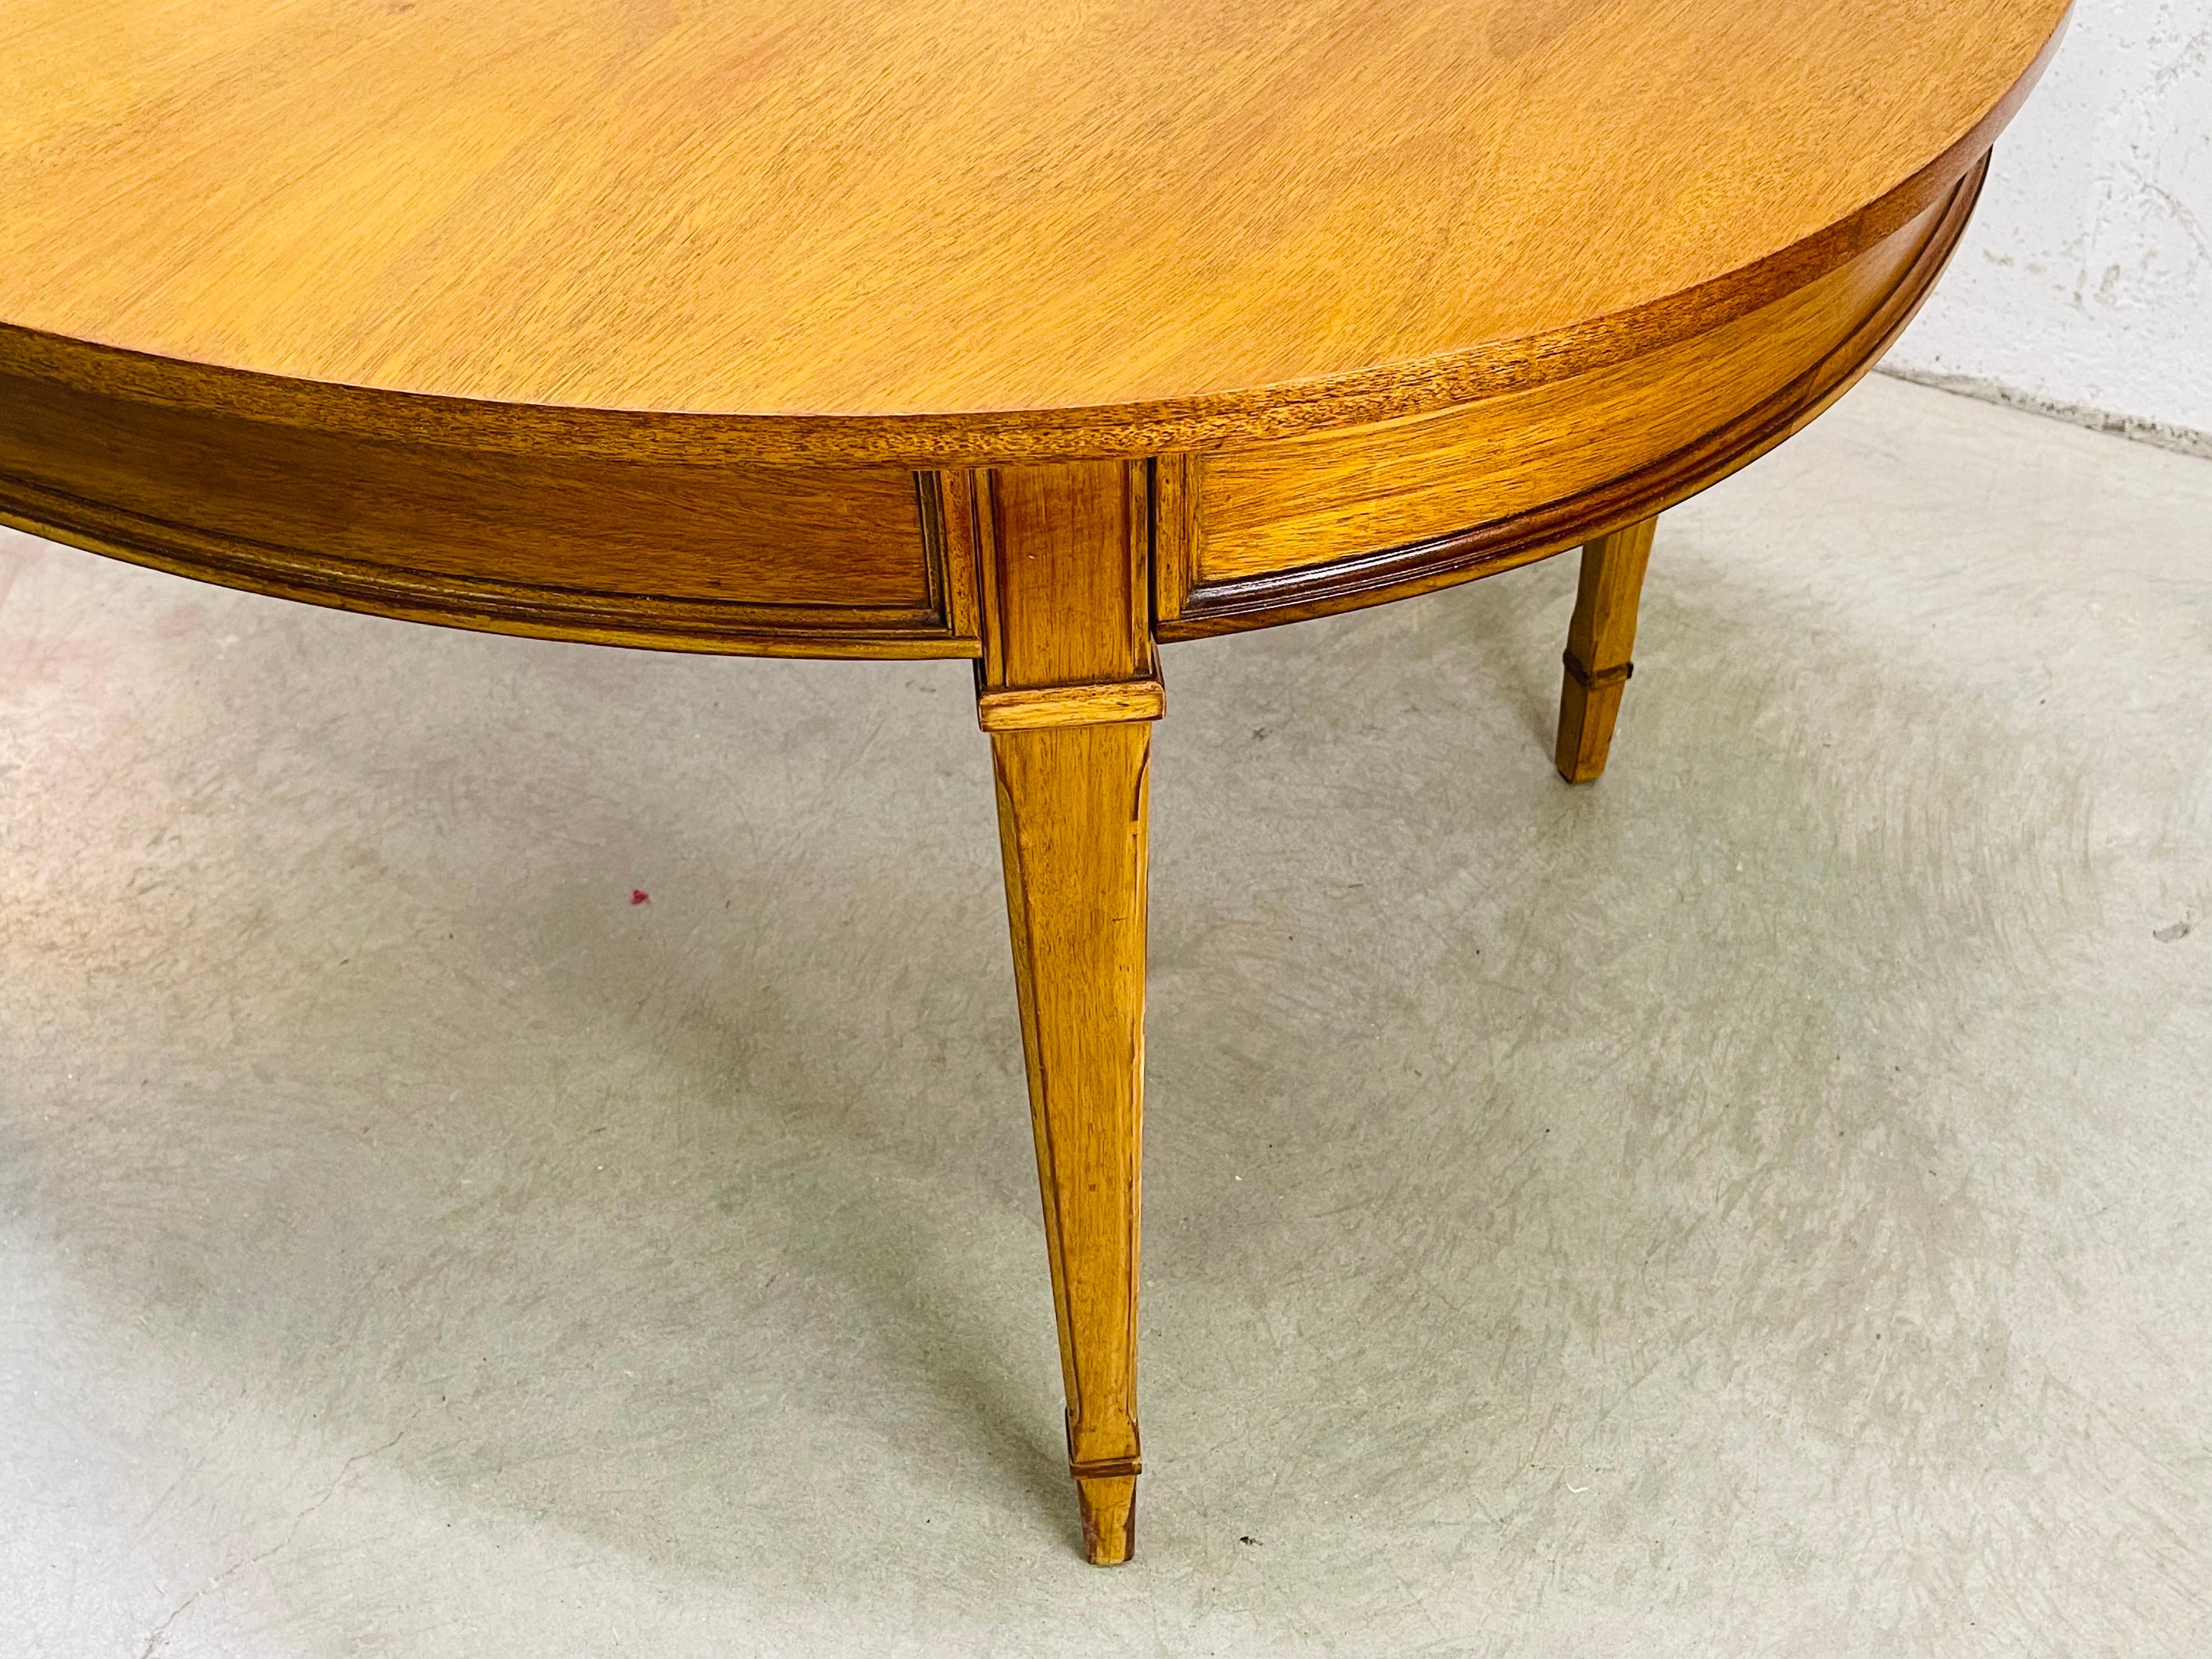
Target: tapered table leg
1599,642
1067,689
1071,825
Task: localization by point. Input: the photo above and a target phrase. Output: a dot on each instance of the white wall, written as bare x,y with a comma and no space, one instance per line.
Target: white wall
2084,284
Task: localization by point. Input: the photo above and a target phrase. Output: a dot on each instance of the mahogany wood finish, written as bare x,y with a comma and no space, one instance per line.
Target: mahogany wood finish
1599,640
1034,335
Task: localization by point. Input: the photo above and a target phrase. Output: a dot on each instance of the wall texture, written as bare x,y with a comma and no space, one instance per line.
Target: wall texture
2084,286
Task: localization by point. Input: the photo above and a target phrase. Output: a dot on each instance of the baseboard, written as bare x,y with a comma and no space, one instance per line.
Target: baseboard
2186,440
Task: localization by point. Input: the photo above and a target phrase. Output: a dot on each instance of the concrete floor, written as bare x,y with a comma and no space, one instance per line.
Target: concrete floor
1759,1205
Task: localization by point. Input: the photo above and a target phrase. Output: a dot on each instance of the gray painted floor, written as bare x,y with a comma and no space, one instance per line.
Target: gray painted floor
1759,1205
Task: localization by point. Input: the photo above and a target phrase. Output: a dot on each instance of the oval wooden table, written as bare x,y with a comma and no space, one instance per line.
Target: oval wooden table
1038,335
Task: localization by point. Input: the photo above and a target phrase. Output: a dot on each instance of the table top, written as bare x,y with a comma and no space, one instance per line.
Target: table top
921,207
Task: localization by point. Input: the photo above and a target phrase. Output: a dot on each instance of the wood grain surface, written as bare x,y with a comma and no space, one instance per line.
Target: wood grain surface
1074,822
1385,480
1117,216
817,560
1071,705
658,546
1302,501
1601,639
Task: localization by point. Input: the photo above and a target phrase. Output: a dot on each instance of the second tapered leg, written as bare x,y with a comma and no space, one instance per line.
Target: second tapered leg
1600,640
1073,812
1068,687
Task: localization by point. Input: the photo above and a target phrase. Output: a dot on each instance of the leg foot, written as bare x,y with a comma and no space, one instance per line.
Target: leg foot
1599,642
1108,1507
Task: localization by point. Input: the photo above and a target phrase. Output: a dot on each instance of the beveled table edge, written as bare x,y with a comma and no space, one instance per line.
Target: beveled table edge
1237,604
